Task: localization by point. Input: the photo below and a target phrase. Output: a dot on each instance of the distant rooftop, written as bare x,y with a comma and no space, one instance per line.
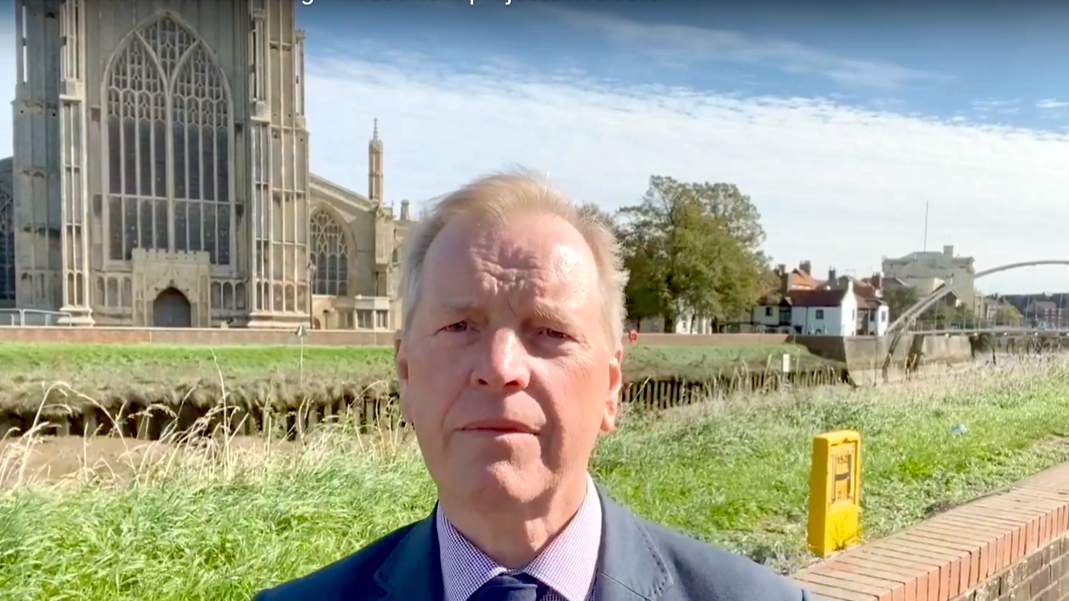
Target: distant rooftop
921,255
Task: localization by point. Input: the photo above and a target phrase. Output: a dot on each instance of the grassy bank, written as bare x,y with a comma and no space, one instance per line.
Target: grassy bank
109,373
218,524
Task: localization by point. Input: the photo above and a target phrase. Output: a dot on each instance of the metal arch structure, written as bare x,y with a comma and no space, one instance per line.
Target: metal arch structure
896,329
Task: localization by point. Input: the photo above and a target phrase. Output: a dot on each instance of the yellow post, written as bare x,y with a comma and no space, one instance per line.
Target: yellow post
835,492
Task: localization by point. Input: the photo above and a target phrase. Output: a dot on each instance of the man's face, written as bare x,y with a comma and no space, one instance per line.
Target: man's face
506,372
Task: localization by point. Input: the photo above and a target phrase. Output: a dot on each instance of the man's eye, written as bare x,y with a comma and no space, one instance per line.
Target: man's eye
555,333
460,326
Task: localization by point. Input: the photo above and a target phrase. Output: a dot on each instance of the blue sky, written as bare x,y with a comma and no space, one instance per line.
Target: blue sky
992,62
841,119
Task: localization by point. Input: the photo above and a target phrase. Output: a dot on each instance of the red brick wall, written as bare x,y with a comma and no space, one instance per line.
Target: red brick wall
239,336
1044,575
1010,546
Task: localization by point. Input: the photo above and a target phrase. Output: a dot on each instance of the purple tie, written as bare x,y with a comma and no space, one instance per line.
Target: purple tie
503,587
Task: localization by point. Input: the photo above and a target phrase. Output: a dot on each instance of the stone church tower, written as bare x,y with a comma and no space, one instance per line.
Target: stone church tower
161,172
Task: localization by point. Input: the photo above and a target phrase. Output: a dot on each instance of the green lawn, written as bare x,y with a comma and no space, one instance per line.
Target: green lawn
76,358
156,371
732,472
109,373
83,358
700,361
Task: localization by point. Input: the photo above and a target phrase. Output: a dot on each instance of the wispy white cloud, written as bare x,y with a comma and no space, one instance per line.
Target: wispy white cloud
1051,104
683,45
995,106
836,184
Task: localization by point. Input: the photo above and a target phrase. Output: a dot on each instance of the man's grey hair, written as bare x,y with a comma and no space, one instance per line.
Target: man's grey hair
498,196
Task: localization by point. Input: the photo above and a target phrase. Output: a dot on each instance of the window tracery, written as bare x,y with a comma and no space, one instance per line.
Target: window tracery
7,247
164,95
330,255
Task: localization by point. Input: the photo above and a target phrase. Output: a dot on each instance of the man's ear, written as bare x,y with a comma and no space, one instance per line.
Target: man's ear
612,399
400,361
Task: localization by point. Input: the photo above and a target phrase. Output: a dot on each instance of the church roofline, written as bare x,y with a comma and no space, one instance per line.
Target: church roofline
341,191
319,179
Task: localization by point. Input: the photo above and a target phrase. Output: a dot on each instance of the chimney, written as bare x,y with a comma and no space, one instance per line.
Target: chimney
831,276
784,283
404,211
948,250
877,281
806,267
781,269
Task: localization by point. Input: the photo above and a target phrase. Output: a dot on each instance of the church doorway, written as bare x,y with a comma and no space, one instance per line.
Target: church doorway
171,309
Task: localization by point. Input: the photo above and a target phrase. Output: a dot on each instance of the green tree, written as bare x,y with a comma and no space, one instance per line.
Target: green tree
643,295
693,246
939,316
1008,315
963,316
899,300
641,302
943,316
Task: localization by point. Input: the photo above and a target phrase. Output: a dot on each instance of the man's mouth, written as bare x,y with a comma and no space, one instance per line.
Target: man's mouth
499,426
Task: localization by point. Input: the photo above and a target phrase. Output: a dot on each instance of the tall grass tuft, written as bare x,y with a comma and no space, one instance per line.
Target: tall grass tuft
222,516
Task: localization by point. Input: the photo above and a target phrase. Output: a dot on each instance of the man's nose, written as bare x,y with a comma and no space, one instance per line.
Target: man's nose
504,362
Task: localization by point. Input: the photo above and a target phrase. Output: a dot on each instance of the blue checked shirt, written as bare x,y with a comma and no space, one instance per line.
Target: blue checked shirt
567,565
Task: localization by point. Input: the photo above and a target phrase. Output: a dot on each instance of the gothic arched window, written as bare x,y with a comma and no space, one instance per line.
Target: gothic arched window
168,145
330,255
7,247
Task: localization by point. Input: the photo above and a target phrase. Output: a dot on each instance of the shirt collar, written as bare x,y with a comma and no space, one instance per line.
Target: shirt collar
567,565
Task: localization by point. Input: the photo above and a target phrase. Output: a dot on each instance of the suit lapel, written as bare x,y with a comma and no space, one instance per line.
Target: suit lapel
413,571
630,567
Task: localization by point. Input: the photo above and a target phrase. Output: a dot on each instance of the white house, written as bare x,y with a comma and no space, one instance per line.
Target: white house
873,317
773,312
686,322
772,317
836,312
689,323
802,307
824,312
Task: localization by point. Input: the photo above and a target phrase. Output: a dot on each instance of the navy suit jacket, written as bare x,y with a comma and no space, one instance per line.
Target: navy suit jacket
639,561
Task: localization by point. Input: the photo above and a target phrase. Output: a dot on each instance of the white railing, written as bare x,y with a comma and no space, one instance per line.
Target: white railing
31,317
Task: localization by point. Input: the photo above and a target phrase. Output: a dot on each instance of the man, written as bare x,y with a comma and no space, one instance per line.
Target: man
509,367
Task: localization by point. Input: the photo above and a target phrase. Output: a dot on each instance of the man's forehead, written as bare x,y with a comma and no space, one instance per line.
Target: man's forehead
511,250
535,263
475,303
508,270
